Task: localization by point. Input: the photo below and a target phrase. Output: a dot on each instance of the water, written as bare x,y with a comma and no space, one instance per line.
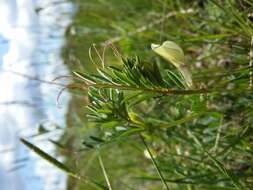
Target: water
31,38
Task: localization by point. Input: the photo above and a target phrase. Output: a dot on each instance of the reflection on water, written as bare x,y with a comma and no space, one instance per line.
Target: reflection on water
31,37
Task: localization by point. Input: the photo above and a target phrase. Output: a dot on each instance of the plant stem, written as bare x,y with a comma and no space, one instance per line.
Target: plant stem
164,91
154,163
251,64
104,171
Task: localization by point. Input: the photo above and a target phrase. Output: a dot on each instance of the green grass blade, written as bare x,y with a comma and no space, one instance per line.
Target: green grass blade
226,172
60,165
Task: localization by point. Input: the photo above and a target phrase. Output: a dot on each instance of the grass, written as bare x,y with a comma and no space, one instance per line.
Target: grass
132,123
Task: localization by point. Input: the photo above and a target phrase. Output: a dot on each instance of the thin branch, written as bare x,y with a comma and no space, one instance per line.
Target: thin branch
104,171
165,91
17,102
35,78
163,23
154,163
217,139
251,64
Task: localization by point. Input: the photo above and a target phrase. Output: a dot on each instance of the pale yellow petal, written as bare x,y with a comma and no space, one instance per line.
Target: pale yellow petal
170,51
173,53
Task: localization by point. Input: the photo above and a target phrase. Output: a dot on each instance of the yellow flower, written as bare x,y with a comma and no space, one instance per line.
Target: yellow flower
173,53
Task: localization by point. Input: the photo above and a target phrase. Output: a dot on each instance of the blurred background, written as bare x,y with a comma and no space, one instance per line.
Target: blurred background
31,39
43,41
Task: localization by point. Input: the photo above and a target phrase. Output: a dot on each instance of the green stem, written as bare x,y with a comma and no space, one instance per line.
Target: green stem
165,91
154,163
104,171
251,64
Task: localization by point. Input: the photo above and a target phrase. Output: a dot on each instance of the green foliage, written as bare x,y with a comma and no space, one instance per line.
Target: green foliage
134,102
143,128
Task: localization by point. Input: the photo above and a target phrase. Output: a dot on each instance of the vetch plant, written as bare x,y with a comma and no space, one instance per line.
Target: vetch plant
120,97
151,125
